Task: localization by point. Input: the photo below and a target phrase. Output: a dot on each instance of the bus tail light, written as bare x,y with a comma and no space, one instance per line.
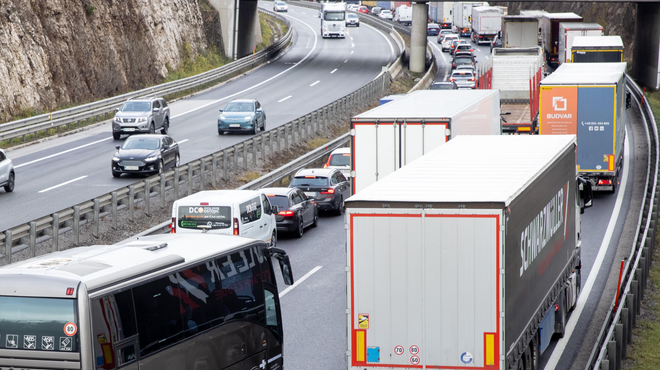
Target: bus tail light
236,226
173,225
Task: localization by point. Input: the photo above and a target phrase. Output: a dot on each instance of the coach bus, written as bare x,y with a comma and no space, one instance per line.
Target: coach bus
174,301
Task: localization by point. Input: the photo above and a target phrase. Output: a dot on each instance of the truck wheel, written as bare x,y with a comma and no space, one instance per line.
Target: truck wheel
562,325
527,358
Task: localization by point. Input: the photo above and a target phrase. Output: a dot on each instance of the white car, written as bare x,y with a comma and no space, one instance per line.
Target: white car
341,160
352,7
280,6
385,14
446,42
7,174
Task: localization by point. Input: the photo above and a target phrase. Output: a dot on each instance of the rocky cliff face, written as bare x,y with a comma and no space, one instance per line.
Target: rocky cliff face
55,52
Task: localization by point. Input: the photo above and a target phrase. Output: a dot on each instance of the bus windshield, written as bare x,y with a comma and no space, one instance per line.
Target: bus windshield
40,324
333,16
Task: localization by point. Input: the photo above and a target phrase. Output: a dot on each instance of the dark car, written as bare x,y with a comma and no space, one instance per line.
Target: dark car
326,186
463,58
242,115
443,85
295,210
496,43
432,29
465,47
145,154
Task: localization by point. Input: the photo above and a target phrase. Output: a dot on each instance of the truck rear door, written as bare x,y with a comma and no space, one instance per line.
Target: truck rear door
596,128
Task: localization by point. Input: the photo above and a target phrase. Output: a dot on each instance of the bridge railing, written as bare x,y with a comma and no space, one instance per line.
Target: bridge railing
102,109
616,332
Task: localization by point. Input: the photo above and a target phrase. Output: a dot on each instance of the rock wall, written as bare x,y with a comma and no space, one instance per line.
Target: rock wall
61,52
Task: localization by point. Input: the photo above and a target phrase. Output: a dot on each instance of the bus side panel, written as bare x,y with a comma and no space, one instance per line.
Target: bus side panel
423,290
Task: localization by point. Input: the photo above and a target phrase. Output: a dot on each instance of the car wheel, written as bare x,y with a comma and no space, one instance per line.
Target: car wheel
152,129
301,229
316,218
358,25
273,239
254,128
341,207
263,126
116,135
220,132
116,174
9,187
177,161
166,126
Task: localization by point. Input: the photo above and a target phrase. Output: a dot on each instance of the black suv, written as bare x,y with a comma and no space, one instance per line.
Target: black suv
463,58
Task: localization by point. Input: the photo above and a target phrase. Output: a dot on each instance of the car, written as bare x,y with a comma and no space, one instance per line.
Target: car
467,67
496,43
352,20
447,41
340,159
454,43
295,210
242,115
7,173
363,9
352,7
138,116
445,26
447,31
443,85
280,6
326,186
464,46
440,38
463,79
385,14
376,10
146,154
463,58
432,29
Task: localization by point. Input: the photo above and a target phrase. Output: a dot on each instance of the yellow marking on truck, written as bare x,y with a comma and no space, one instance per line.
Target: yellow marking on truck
490,349
359,345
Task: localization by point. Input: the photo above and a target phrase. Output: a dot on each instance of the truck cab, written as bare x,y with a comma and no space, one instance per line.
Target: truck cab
333,20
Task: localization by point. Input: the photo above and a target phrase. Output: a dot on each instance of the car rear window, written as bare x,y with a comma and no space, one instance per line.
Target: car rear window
214,216
343,159
462,75
281,201
309,181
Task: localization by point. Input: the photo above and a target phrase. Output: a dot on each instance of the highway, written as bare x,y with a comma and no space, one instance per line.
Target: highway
58,173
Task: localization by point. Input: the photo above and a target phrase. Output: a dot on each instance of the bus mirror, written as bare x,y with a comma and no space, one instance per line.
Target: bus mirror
586,194
285,264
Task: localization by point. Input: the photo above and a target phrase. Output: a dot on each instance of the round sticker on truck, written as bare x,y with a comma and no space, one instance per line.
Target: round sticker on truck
466,357
70,329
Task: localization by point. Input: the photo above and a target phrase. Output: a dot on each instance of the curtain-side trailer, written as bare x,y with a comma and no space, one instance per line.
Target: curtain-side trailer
467,258
597,49
392,135
587,100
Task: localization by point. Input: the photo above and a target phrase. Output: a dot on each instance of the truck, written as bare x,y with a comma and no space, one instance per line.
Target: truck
516,74
441,13
569,30
597,49
486,23
519,31
550,32
462,13
392,135
587,100
467,258
333,20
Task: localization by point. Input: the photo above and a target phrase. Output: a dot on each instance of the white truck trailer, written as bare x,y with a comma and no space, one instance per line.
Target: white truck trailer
486,23
569,30
462,13
519,31
392,135
467,258
597,49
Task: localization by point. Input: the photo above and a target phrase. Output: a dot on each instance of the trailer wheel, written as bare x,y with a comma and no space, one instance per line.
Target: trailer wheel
562,326
527,358
535,355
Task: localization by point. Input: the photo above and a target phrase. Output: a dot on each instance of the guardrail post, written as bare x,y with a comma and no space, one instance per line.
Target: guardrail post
56,232
162,189
131,201
234,153
113,197
33,237
611,354
214,166
176,183
190,178
76,225
626,332
286,134
630,303
202,173
224,165
97,211
262,146
605,365
618,335
9,241
634,287
147,197
254,151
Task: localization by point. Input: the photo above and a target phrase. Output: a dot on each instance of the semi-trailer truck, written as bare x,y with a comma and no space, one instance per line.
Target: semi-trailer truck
569,30
597,49
587,100
392,135
550,31
467,258
519,31
462,13
486,23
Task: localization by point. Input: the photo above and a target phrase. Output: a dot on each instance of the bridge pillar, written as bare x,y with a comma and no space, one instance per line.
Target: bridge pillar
646,54
239,23
418,37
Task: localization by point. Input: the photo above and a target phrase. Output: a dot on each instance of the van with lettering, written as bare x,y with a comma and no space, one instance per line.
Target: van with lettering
451,267
246,213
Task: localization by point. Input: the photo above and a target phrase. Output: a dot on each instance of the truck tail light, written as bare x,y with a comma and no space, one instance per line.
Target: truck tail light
329,191
173,225
556,308
236,231
286,213
604,182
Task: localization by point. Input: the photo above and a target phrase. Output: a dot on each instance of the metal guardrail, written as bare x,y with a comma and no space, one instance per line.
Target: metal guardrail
616,332
74,116
89,217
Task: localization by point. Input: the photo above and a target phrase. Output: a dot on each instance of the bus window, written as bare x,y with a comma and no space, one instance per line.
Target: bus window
113,320
201,302
241,289
272,316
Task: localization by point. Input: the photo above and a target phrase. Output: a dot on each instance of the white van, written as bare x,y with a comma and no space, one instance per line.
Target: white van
246,213
403,15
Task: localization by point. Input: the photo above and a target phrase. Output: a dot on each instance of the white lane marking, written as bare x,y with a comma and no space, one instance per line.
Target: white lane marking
281,100
351,51
346,61
183,141
62,184
287,290
60,153
352,45
314,83
584,295
262,82
334,70
303,12
351,38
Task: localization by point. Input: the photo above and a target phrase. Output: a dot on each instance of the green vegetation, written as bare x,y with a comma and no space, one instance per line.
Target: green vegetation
317,142
207,60
266,32
654,100
90,9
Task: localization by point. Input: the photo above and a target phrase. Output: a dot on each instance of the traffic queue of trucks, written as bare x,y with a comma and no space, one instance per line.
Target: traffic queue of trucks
569,30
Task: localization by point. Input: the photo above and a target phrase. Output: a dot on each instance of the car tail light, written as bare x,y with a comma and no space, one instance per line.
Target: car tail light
604,182
310,177
451,79
286,213
329,191
236,231
173,225
556,308
471,50
454,65
472,79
